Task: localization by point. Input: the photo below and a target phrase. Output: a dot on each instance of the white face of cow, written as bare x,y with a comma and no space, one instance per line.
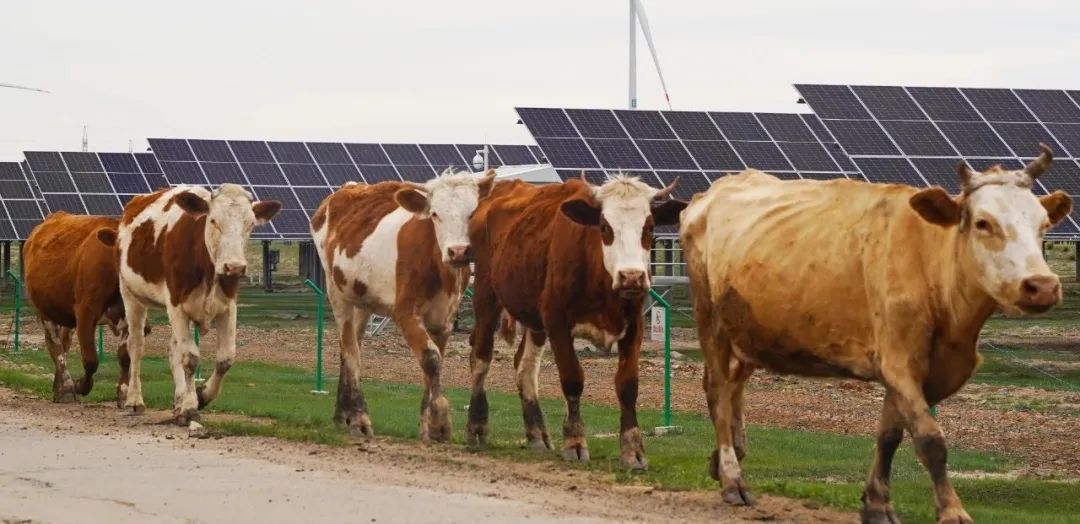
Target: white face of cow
626,210
449,201
230,217
1002,223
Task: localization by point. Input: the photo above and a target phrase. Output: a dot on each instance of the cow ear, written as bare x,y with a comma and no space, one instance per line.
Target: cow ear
486,183
191,203
265,210
934,205
412,201
1057,204
666,213
582,212
107,236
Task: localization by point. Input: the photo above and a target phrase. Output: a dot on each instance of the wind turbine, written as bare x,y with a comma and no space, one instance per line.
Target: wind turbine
637,13
24,88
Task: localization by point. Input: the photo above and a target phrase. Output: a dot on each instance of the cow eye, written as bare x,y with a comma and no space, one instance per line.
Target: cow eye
983,225
434,215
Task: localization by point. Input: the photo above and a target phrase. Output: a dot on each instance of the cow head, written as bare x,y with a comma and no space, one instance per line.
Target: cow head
449,201
230,216
1001,226
625,209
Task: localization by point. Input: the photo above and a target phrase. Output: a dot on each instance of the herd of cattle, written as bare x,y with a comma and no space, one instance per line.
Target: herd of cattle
838,278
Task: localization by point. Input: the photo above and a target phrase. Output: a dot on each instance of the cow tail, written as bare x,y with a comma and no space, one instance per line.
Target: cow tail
507,328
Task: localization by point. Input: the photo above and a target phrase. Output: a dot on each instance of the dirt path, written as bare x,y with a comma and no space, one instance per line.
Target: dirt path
57,461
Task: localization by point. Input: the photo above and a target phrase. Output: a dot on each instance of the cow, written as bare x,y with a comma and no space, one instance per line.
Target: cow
884,283
401,250
72,279
566,261
182,250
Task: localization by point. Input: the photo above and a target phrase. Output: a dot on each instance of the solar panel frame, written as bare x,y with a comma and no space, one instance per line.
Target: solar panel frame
19,205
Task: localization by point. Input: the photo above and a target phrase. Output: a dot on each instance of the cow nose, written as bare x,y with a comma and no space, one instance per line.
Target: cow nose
459,254
1040,292
235,270
632,279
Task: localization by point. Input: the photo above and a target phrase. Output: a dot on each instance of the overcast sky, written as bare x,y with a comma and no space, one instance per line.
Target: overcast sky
436,71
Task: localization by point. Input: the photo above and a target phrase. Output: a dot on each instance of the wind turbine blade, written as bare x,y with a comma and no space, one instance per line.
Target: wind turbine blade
643,19
24,88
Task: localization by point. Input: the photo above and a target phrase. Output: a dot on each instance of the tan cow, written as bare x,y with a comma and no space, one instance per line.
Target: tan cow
182,250
567,261
72,281
885,283
400,250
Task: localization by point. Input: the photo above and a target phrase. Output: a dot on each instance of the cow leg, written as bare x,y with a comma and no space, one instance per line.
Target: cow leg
877,508
527,363
486,312
124,359
85,324
741,371
572,379
929,442
63,386
183,359
350,408
135,313
223,356
441,432
434,408
631,444
722,383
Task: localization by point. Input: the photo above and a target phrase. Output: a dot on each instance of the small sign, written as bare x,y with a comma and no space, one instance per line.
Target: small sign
656,326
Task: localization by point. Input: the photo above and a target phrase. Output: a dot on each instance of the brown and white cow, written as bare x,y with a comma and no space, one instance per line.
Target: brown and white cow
72,279
566,260
886,283
399,250
182,249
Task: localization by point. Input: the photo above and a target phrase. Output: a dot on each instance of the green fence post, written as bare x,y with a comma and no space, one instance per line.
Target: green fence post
318,336
667,427
101,343
198,369
18,305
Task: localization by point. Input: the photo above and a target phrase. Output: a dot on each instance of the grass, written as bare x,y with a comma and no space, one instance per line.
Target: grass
824,467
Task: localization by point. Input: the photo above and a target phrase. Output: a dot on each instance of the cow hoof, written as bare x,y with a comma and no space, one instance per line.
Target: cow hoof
65,396
186,417
360,426
714,465
476,436
882,514
737,494
955,515
635,461
576,453
439,424
538,443
137,409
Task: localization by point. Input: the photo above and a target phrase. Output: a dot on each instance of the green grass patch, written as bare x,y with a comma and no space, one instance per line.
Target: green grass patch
824,467
1011,368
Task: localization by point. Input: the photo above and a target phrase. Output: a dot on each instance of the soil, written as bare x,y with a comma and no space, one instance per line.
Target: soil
532,491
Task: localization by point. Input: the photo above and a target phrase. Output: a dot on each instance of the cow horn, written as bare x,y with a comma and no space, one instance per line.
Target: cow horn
1041,164
418,186
666,192
583,179
966,174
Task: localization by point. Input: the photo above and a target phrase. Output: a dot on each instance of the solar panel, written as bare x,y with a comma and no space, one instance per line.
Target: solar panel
700,145
20,209
91,183
302,174
917,135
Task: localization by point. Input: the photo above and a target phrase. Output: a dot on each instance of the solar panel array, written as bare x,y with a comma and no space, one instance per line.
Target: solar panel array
696,146
917,135
92,183
20,210
302,174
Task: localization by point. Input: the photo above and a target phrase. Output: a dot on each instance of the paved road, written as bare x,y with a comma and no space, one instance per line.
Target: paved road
69,478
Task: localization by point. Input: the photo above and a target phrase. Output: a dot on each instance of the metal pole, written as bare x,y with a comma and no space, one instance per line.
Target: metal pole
1076,260
18,304
667,355
268,273
101,343
318,337
198,369
486,164
7,256
633,56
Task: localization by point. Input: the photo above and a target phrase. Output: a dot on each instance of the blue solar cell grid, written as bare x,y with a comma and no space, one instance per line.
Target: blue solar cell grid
20,209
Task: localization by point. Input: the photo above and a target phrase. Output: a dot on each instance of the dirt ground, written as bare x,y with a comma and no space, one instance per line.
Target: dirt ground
976,418
441,483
